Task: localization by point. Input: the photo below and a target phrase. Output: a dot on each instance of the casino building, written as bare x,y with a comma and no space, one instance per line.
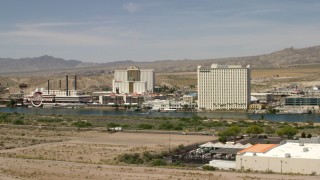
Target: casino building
133,80
223,87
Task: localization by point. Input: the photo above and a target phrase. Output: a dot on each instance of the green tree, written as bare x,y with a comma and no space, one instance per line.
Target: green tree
309,135
234,131
222,137
11,103
254,129
303,135
185,107
231,131
268,130
288,131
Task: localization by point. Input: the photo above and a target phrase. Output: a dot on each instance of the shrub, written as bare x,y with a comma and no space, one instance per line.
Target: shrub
185,119
4,118
112,125
131,158
177,163
18,122
158,162
199,128
208,168
81,124
179,127
179,149
145,126
50,120
166,126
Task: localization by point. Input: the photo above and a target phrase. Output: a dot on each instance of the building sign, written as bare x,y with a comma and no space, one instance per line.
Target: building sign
36,99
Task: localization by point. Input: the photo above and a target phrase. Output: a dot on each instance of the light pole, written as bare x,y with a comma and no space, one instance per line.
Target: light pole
169,141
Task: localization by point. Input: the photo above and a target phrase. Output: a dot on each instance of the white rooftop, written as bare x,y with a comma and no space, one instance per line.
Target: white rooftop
225,66
220,145
295,150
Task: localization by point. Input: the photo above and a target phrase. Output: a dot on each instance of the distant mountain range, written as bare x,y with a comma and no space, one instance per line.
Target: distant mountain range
49,64
39,63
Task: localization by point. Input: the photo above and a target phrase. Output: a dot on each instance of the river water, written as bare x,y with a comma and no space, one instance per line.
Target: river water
224,115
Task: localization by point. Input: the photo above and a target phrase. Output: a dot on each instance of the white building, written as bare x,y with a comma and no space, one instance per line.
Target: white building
291,157
223,87
133,80
263,97
168,105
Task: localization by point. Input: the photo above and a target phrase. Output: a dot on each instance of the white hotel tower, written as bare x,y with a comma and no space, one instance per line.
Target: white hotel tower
223,87
133,80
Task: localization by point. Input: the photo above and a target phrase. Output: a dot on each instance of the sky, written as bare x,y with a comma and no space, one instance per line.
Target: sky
148,30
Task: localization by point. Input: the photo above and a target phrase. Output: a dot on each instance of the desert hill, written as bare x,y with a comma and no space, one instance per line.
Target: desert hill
39,63
50,65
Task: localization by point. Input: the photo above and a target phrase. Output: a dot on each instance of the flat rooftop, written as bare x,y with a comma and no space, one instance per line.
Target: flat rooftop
258,148
294,149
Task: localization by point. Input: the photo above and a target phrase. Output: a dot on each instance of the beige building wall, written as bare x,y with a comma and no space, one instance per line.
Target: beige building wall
280,165
139,87
143,80
121,75
123,86
148,75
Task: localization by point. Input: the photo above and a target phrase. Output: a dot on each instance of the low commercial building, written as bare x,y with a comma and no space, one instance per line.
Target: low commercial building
121,99
288,157
168,105
112,99
263,97
257,106
187,98
302,101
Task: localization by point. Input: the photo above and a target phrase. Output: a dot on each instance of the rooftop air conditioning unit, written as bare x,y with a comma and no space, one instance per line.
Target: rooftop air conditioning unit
305,149
287,155
301,144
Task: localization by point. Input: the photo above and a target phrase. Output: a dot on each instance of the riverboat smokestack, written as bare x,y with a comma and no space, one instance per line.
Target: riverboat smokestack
75,82
48,86
67,85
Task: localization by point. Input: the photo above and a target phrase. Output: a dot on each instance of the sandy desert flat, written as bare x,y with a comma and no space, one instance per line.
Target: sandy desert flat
91,155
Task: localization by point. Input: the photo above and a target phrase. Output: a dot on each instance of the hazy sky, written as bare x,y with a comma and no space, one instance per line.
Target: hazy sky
148,30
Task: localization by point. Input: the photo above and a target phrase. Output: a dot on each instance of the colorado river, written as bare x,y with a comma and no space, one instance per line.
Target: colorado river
217,115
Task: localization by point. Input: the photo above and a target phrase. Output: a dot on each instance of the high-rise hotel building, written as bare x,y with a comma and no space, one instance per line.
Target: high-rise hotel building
133,80
223,87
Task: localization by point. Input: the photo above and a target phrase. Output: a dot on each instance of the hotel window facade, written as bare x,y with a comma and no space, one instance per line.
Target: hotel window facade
223,87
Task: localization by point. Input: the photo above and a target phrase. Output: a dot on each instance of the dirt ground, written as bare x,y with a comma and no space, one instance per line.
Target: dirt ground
91,155
44,169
